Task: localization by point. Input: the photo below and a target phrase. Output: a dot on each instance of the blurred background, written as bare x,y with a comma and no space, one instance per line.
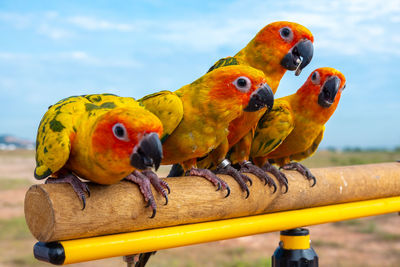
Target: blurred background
52,49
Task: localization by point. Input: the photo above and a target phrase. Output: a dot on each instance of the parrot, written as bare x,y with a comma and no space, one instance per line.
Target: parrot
295,126
196,117
103,138
278,47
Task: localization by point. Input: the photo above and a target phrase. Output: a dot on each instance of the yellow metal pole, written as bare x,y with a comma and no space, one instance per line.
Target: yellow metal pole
94,248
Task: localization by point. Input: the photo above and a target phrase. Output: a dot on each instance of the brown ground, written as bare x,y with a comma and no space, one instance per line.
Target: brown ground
373,241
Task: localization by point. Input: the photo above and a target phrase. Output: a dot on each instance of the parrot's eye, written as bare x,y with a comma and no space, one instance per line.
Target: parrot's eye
286,34
242,83
120,132
315,77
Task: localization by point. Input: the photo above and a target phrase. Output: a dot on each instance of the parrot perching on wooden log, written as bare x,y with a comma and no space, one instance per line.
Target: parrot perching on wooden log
102,138
200,122
294,128
278,47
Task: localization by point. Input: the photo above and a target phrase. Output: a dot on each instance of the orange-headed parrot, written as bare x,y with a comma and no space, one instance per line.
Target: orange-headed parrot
102,138
278,47
294,128
197,116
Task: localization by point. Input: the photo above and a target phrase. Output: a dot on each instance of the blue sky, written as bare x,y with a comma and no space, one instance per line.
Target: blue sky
52,49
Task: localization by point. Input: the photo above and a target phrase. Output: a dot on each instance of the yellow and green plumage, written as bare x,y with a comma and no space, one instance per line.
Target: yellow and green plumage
264,52
168,107
295,126
76,135
209,104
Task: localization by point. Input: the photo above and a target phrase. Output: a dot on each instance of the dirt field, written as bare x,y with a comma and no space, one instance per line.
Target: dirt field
373,241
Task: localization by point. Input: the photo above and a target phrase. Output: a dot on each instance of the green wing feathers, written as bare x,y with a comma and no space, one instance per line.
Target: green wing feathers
224,62
272,129
167,106
53,142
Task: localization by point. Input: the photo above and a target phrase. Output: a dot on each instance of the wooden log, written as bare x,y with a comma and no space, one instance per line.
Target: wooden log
53,211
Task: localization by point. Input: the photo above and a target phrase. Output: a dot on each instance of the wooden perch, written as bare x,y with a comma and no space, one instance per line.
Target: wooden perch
53,211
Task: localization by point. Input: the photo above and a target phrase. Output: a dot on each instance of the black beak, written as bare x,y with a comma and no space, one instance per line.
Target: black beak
147,153
260,98
328,93
299,56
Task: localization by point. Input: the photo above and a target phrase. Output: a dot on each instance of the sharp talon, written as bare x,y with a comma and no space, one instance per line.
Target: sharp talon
228,192
169,190
286,180
266,182
166,200
247,192
274,185
287,188
87,190
153,214
250,181
219,187
83,202
314,181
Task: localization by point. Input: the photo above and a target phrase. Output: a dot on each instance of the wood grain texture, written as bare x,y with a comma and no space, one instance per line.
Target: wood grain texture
53,211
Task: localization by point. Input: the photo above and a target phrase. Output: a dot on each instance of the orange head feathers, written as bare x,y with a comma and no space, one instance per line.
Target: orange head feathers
241,82
128,137
321,92
278,47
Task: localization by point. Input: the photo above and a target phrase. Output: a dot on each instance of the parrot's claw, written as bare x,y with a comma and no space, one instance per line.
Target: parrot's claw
154,210
79,187
249,167
280,176
209,175
144,185
159,185
301,169
239,177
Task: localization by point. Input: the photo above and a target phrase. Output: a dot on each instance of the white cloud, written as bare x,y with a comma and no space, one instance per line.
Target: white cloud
343,27
19,21
90,23
80,57
54,33
85,58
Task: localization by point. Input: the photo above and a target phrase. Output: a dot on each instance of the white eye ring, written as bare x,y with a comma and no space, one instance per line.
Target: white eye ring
286,34
120,132
315,78
243,84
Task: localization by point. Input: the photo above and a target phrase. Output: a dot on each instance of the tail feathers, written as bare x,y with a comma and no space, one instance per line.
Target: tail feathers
42,172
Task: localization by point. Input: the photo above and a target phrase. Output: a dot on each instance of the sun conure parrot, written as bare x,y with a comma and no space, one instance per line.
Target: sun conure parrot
196,117
294,128
278,47
102,138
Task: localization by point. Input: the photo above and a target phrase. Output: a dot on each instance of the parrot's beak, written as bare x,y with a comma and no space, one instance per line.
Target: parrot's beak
299,56
147,153
260,98
328,92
